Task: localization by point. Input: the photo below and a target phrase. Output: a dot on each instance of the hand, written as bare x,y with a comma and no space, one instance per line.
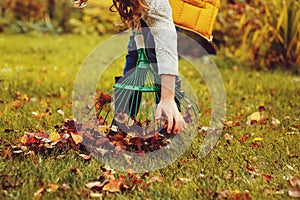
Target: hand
169,108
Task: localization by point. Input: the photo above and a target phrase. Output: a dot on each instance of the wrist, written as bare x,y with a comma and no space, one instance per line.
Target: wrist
167,87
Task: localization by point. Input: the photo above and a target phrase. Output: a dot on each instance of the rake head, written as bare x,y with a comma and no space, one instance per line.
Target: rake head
131,105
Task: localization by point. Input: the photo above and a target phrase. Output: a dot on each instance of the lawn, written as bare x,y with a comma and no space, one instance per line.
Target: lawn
259,161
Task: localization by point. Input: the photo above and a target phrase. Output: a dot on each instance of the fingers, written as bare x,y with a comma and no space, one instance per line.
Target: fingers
179,124
175,120
170,123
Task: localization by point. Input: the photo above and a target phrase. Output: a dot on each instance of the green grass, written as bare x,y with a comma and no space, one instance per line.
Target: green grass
44,67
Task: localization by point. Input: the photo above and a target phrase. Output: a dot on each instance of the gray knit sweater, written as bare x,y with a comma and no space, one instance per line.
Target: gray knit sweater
159,20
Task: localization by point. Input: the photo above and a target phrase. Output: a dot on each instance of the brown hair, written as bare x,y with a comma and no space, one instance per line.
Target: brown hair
130,11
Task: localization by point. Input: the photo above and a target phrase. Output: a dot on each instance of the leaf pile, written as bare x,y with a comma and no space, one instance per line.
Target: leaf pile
124,134
63,138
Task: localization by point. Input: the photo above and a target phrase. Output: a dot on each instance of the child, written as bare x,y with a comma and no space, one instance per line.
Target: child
156,14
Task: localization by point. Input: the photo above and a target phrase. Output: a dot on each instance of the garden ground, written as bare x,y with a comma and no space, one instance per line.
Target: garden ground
37,74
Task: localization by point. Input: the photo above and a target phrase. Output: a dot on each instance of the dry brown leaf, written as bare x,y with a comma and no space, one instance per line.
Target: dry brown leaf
85,157
114,185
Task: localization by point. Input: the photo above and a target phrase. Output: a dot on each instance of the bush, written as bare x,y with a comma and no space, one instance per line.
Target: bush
264,34
25,15
96,18
43,16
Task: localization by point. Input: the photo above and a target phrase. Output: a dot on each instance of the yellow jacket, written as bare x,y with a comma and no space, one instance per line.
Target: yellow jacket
196,15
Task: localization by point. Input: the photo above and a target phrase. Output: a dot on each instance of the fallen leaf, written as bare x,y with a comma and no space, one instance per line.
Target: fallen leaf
17,104
24,139
243,138
113,185
54,136
256,117
275,122
59,111
65,187
38,194
52,188
227,136
257,139
91,185
85,157
294,192
294,182
38,115
96,195
267,177
254,145
18,152
250,168
77,137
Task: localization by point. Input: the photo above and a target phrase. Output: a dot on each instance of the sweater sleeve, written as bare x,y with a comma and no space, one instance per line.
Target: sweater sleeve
159,20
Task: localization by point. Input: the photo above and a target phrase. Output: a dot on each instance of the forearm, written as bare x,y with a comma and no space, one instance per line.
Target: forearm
167,87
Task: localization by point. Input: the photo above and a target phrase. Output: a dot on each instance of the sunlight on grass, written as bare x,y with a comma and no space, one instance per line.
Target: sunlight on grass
39,72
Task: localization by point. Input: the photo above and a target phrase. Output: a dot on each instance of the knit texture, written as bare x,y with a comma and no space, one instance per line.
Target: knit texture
159,20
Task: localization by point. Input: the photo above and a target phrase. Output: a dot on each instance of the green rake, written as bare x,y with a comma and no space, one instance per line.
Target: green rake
135,97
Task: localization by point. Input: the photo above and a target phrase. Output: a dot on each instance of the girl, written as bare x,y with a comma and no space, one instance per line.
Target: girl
156,14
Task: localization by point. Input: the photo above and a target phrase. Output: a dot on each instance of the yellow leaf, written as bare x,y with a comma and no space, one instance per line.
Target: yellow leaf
24,139
76,137
52,188
257,139
54,137
255,116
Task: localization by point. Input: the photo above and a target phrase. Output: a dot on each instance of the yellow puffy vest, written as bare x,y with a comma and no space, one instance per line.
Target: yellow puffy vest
196,15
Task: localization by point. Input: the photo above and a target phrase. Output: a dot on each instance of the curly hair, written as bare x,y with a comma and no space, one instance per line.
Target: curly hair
130,11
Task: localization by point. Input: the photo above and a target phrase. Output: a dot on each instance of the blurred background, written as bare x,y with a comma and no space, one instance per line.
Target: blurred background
260,34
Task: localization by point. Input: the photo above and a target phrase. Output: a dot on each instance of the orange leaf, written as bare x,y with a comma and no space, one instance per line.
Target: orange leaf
113,186
267,177
250,168
243,138
16,104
